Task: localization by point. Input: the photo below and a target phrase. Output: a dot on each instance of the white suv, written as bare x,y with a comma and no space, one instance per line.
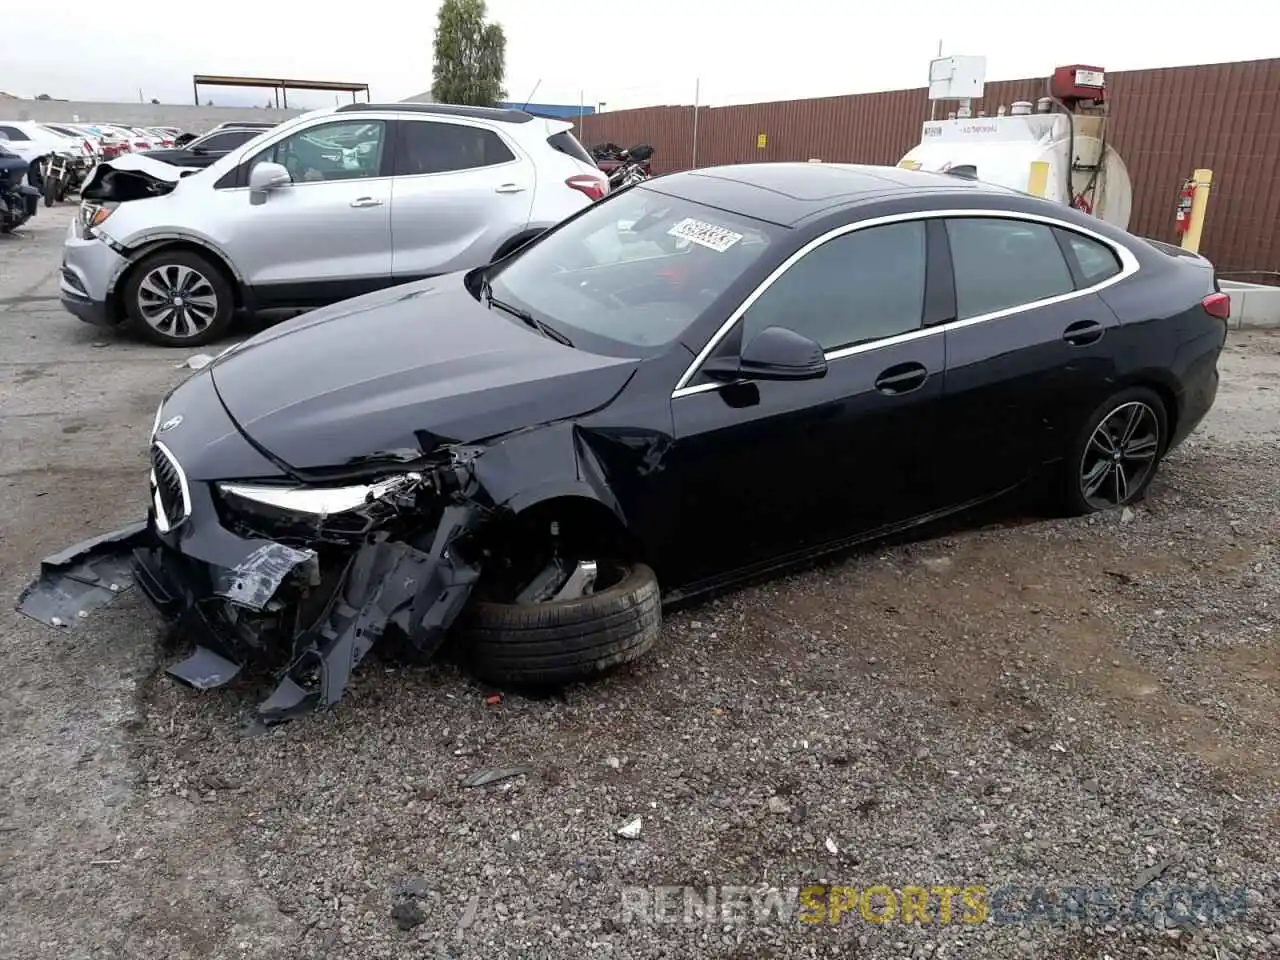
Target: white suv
323,207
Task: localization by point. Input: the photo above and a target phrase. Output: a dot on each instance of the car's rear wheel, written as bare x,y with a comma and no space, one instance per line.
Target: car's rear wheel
555,641
178,298
1117,452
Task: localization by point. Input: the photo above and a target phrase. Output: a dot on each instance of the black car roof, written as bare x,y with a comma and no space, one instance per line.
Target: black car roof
785,193
503,114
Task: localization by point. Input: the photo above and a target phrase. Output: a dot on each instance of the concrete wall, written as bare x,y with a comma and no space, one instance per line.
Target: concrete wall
1253,305
188,117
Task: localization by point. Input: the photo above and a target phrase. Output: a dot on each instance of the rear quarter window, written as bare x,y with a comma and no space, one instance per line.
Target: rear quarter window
565,142
1097,261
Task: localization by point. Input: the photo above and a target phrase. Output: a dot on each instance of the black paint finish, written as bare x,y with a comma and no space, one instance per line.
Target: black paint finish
722,479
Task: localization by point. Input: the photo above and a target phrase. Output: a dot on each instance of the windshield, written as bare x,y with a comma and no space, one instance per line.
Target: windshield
634,270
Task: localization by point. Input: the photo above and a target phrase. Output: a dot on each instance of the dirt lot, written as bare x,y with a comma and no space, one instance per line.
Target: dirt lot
1087,704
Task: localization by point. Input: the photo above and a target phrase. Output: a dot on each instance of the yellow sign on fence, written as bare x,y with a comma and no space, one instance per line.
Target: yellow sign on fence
762,141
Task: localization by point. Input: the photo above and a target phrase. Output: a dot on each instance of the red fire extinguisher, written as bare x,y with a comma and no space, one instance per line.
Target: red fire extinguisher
1182,219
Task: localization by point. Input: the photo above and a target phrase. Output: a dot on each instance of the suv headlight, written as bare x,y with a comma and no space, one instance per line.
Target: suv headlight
95,214
318,501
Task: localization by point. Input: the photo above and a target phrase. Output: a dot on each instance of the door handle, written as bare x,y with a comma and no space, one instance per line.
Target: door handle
509,188
366,202
1083,332
902,378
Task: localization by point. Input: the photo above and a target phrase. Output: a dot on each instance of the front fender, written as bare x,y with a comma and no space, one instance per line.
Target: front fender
150,241
555,454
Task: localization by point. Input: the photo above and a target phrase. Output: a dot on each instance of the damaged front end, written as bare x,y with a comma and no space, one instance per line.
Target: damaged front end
331,581
301,579
304,580
130,177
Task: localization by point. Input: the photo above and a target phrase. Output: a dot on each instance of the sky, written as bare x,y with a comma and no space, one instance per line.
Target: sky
571,51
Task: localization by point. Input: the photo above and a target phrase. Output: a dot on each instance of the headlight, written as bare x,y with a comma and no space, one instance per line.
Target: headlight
94,214
318,501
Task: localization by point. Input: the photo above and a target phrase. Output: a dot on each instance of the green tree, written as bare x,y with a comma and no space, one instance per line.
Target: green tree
470,56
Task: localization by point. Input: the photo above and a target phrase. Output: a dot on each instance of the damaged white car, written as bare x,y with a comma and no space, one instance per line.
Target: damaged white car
325,206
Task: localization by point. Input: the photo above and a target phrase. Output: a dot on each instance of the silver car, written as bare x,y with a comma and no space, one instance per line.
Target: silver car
326,206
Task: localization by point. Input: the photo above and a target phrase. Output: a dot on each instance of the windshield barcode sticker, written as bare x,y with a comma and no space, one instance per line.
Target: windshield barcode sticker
705,234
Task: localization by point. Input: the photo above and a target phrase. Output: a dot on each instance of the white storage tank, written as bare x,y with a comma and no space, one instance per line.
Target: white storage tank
1033,152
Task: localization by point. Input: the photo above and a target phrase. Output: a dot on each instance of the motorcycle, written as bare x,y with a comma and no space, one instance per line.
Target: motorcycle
18,201
623,167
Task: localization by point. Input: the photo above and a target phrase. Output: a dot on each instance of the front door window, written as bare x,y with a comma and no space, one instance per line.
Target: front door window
347,150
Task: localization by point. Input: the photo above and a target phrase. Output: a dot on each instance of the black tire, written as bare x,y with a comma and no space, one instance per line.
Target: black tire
551,644
1075,502
214,283
50,191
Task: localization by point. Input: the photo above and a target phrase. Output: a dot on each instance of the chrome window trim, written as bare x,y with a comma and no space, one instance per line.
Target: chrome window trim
1128,267
163,523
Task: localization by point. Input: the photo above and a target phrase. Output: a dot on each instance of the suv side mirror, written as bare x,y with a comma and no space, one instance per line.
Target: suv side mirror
265,177
775,353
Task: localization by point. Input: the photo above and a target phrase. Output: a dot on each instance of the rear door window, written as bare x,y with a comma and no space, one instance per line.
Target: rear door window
428,146
13,133
1001,264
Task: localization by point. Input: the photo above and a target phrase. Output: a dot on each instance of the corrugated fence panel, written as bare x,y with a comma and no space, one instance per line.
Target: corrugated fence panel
1165,123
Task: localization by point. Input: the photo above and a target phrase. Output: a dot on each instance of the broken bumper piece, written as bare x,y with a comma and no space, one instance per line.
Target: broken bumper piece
240,601
83,577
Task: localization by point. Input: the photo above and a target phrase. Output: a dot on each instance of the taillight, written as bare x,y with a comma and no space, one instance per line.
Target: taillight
1217,305
140,144
593,187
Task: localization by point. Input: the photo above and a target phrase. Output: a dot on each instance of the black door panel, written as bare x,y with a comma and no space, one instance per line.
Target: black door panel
1019,382
804,463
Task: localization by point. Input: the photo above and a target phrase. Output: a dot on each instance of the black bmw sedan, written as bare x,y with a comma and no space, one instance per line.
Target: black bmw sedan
698,379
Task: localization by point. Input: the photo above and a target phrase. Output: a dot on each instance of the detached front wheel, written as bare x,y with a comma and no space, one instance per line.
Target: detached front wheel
552,642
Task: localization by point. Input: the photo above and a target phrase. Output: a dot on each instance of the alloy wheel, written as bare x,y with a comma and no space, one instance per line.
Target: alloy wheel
1120,456
177,300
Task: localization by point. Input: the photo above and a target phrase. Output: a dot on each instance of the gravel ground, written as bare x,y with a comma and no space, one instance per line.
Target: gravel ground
1068,704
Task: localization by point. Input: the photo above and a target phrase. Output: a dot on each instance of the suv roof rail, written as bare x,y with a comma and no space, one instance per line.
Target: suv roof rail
504,114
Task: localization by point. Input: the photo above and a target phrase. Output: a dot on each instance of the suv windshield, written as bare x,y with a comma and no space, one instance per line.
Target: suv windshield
634,270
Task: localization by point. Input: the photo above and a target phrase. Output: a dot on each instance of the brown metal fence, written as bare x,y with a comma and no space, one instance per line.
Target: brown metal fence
1165,123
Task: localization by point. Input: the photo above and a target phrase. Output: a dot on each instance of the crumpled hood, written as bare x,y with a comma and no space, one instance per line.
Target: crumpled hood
399,372
132,176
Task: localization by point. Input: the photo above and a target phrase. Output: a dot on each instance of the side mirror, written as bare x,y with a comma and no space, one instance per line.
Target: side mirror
265,177
775,353
199,151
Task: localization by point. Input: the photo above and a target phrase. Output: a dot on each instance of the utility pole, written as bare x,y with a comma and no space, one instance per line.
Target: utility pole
697,92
